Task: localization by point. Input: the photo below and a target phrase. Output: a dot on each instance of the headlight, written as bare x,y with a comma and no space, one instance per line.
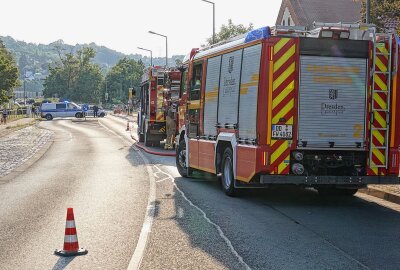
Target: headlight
298,168
298,156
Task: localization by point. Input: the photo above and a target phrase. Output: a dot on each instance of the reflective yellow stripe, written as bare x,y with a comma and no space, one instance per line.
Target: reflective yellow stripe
284,76
275,155
380,83
282,95
284,57
380,101
380,120
383,50
378,155
380,65
378,136
283,165
279,45
283,112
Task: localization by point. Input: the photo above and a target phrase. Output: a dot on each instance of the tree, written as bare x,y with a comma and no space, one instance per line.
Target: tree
228,31
75,77
382,11
8,74
126,73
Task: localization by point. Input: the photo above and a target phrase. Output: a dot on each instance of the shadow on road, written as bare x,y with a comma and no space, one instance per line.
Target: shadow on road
62,263
289,222
295,228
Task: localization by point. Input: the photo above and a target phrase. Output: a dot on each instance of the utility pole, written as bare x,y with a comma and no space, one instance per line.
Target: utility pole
368,11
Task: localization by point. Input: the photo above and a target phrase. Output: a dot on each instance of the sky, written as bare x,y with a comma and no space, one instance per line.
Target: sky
123,25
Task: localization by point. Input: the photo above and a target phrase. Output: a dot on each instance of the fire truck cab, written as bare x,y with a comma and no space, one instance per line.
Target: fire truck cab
314,109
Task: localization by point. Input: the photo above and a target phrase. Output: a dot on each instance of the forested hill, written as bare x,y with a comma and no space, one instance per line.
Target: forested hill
34,58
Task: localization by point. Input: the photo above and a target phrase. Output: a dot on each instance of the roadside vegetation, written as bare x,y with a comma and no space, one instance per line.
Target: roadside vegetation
383,12
8,74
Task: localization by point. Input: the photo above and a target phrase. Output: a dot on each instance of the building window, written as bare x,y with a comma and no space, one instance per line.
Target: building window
288,21
283,22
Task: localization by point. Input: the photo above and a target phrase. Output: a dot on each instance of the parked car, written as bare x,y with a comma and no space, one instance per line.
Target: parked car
60,109
100,113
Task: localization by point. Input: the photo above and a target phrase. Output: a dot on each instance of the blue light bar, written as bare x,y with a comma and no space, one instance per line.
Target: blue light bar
259,33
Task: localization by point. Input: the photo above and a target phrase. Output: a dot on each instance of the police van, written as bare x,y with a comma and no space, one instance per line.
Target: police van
60,109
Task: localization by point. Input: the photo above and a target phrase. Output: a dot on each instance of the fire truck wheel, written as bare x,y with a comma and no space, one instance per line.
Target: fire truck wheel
147,140
181,159
333,191
227,180
141,137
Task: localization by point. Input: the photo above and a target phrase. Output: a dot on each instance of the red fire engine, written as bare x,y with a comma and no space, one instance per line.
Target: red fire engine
285,106
158,88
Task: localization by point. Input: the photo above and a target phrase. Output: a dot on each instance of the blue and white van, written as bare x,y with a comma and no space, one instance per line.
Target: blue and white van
60,109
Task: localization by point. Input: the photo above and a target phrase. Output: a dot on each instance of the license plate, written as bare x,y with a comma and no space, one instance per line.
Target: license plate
282,132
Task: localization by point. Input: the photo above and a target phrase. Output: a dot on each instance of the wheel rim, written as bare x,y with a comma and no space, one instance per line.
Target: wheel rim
182,158
227,172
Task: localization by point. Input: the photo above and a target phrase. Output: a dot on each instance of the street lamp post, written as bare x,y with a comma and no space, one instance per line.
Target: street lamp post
213,37
166,46
24,93
368,11
151,54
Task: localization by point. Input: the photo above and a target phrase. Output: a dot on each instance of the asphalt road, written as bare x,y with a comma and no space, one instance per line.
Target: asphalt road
91,169
195,225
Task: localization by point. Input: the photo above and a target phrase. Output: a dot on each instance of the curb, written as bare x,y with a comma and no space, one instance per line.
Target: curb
390,197
12,128
30,162
144,148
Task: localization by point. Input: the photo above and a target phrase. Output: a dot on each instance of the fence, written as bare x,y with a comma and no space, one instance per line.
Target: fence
18,113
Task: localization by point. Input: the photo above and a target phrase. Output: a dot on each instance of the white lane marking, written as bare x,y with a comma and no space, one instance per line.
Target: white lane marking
138,254
180,212
162,180
221,233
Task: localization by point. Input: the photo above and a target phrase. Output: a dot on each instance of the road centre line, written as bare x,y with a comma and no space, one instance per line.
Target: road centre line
138,254
221,233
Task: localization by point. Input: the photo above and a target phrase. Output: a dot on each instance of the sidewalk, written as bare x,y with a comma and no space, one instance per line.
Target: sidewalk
20,141
389,193
12,126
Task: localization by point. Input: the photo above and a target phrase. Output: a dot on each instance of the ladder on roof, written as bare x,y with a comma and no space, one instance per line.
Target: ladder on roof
381,93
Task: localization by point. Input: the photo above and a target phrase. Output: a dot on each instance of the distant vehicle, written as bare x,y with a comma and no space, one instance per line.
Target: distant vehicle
60,109
101,112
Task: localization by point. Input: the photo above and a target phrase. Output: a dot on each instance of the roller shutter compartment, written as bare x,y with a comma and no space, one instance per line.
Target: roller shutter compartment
332,98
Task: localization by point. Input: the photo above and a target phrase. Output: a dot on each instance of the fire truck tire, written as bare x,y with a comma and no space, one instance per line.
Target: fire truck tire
147,139
333,191
181,165
227,179
141,137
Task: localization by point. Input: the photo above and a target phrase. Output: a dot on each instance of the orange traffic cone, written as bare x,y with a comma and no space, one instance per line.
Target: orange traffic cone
127,126
71,246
